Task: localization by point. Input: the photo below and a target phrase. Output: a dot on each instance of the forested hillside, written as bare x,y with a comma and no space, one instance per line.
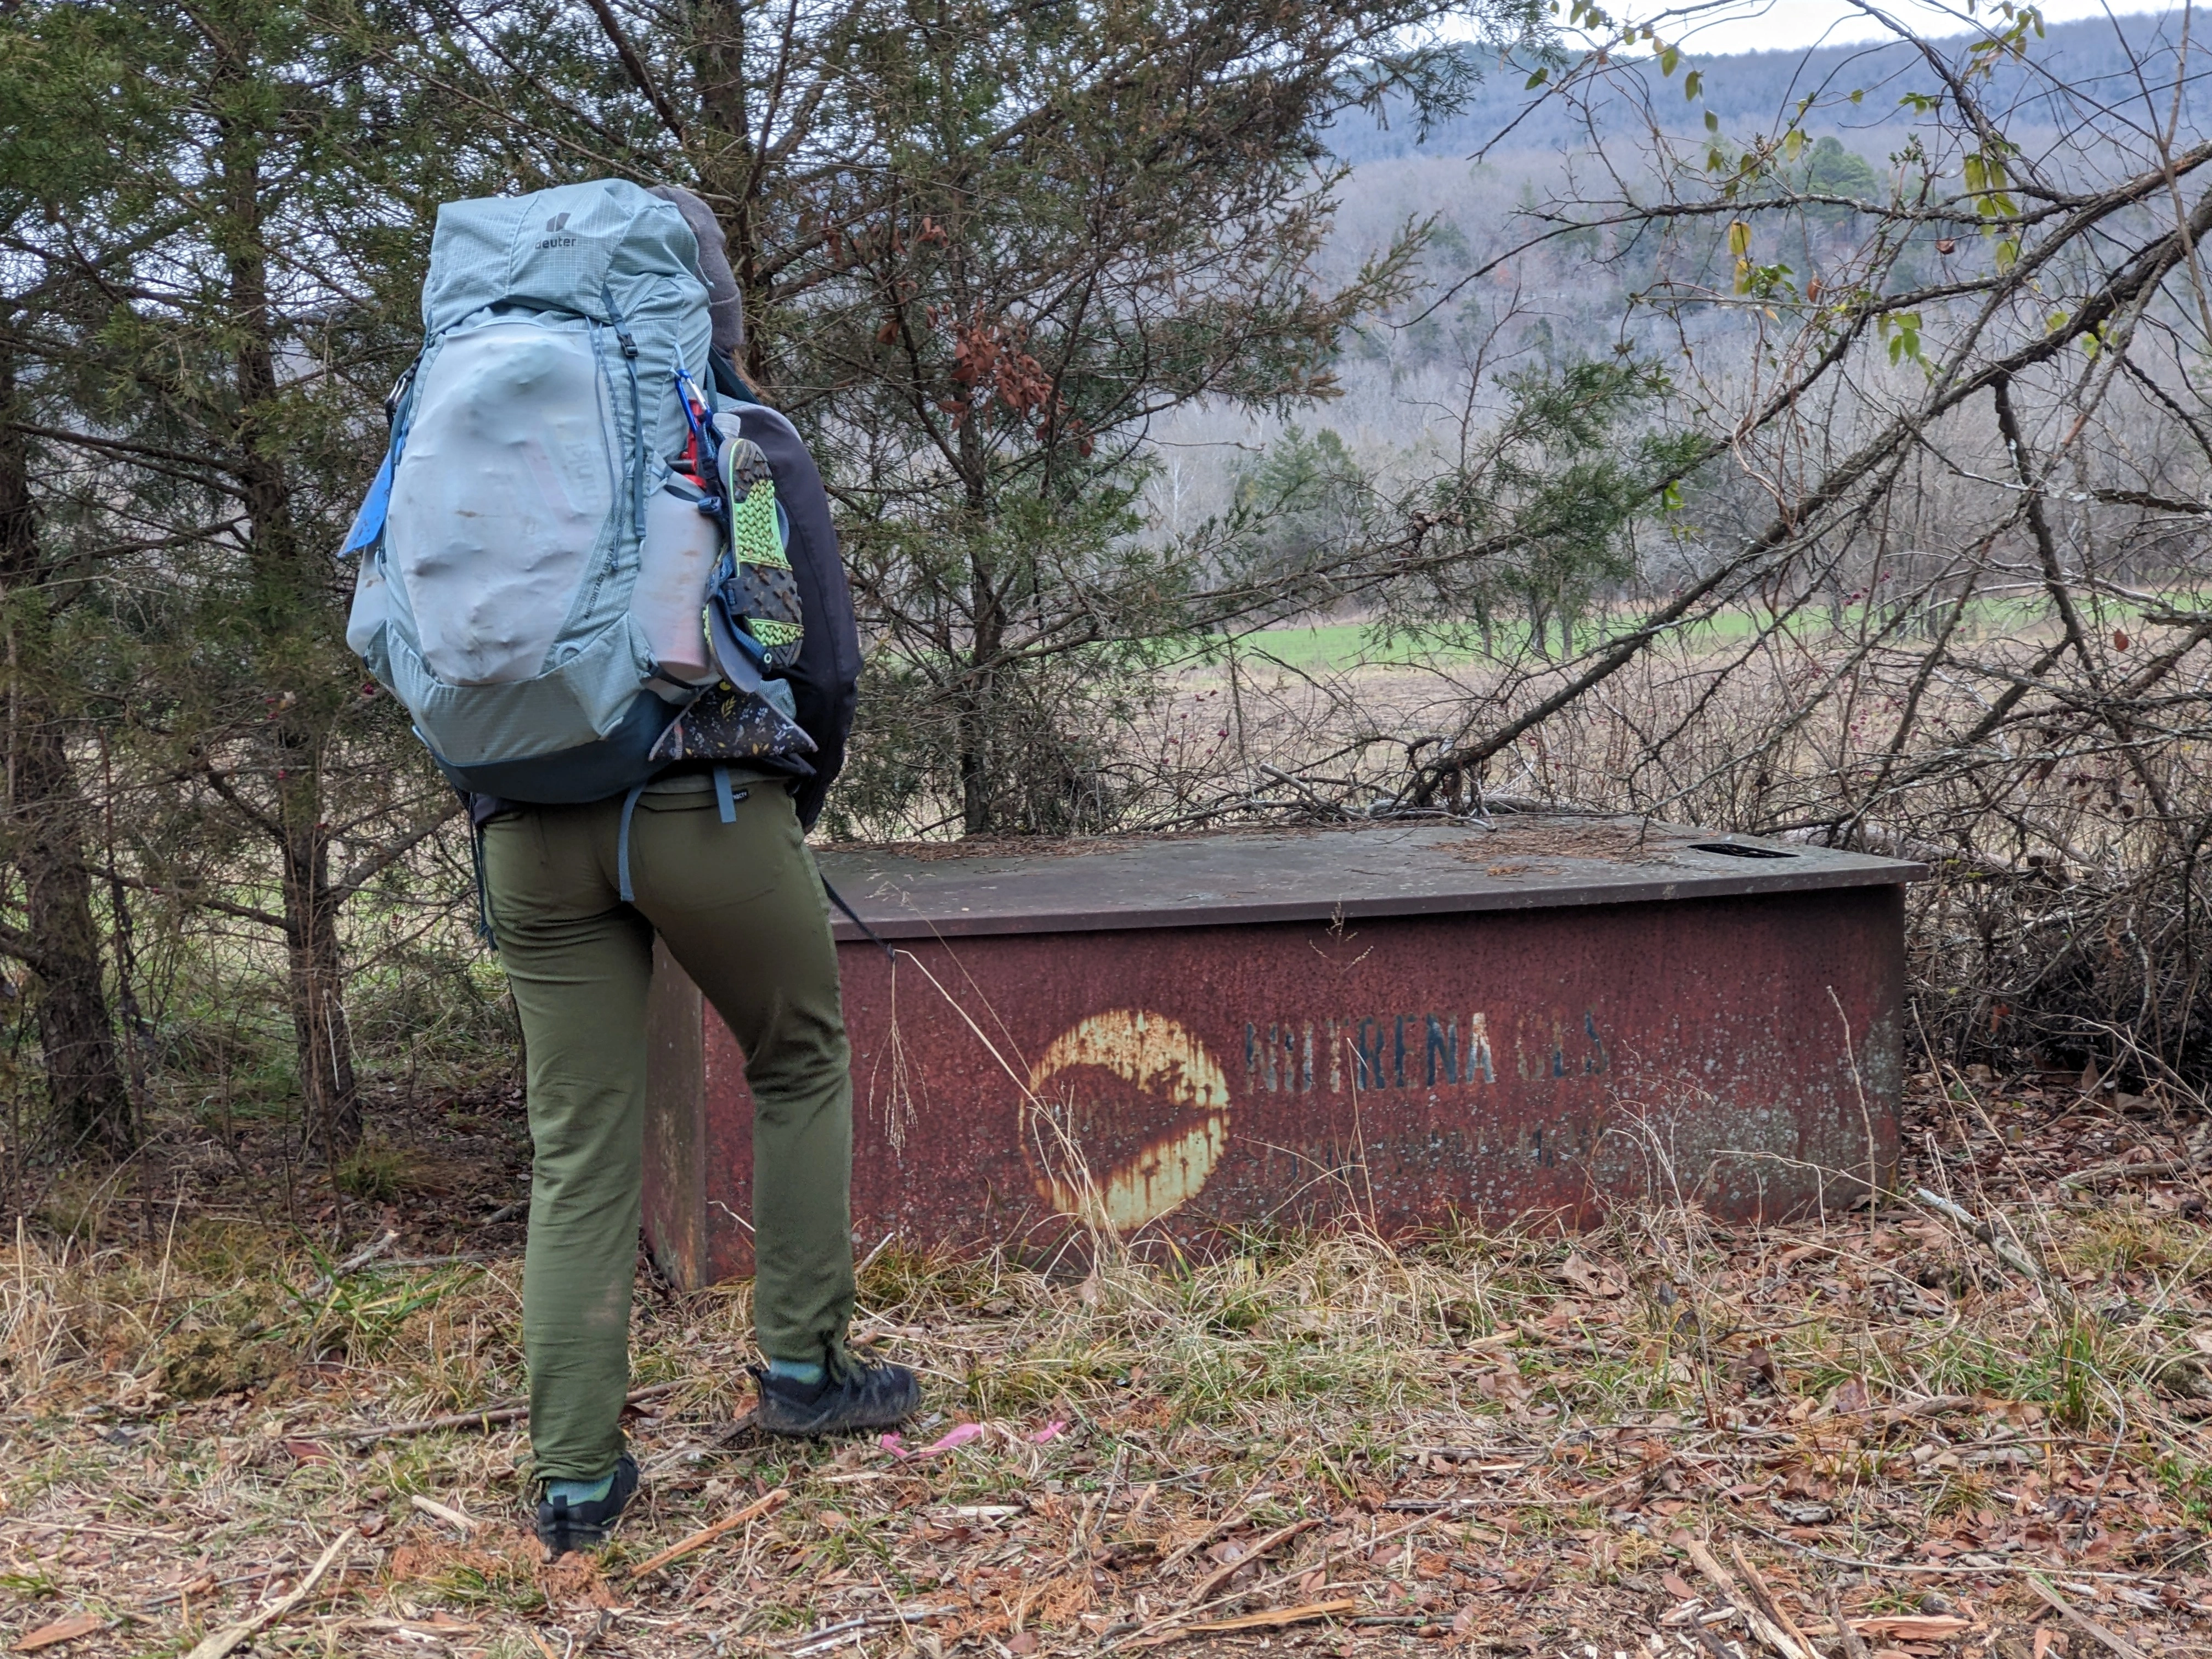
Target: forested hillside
2117,62
1503,180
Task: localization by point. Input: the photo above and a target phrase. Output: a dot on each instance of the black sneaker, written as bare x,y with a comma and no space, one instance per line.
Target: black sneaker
563,1526
867,1396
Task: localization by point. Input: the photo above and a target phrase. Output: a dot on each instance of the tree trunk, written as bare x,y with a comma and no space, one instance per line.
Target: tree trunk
721,143
979,713
975,714
285,599
976,815
1540,628
92,1109
91,1104
317,979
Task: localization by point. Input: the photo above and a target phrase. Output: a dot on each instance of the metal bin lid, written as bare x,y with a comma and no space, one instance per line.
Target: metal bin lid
1523,861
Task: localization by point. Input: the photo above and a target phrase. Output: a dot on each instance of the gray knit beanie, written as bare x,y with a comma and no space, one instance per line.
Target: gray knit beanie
724,303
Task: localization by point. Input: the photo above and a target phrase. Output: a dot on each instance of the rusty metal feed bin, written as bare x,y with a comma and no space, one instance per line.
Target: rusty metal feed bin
1278,1027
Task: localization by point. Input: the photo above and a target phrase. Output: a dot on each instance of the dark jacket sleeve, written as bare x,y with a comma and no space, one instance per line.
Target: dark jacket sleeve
825,680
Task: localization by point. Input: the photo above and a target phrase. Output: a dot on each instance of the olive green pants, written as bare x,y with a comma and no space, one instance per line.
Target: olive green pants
741,908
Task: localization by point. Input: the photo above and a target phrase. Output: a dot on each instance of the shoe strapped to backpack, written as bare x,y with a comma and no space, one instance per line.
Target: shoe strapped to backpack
857,1394
563,1526
562,487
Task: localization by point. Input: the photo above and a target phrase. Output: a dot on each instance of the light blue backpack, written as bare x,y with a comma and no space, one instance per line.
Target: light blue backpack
528,476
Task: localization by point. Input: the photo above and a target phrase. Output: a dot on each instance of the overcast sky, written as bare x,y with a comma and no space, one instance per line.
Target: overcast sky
1771,25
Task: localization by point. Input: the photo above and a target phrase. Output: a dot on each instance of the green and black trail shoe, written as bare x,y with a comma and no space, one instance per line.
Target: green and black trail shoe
563,1526
866,1395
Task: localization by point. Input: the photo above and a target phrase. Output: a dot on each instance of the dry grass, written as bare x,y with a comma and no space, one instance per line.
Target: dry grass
1501,1441
2064,920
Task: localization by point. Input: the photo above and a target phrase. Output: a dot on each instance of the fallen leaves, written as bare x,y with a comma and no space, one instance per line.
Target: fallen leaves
1221,1575
1131,1474
1593,1277
61,1631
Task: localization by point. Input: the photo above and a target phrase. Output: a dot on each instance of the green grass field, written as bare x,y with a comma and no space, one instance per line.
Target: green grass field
1338,647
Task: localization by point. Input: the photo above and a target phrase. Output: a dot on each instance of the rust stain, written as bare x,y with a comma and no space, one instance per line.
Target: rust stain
1158,1058
1742,1052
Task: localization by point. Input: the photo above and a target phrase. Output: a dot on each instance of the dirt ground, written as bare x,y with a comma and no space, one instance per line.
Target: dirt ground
1874,1435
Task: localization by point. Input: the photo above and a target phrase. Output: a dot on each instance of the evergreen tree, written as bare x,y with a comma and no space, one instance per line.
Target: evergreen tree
60,142
238,284
983,247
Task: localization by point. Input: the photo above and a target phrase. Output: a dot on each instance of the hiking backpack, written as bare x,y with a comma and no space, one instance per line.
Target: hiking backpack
575,566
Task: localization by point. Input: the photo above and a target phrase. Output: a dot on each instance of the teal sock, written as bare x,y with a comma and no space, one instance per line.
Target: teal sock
804,1371
578,1491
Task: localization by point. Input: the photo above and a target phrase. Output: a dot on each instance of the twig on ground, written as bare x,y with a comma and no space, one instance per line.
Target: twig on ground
459,1258
93,1528
706,1535
467,1523
2105,1174
230,1640
1930,1570
1763,1593
506,1411
2003,1248
416,1627
197,1588
1854,1646
1191,1546
1765,1627
1221,1575
2081,1622
1269,1619
828,1636
1266,1585
353,1264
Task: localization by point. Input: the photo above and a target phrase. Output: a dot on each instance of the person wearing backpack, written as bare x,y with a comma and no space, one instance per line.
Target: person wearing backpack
603,579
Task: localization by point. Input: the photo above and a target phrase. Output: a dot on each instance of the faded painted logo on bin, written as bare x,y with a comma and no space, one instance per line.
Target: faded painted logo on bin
1127,1114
